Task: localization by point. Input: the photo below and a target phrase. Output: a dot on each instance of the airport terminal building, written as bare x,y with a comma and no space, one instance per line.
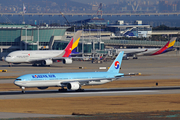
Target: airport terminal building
28,37
137,29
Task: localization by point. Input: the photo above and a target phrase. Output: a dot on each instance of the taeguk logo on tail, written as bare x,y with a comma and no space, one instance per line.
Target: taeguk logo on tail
116,65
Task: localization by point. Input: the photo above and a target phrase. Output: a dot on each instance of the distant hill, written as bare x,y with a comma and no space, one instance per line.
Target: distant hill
45,5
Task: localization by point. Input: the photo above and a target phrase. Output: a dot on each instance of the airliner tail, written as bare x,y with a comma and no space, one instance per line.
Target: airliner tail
116,65
72,44
167,47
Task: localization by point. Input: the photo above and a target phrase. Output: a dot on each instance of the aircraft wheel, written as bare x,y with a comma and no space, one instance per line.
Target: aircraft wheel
80,90
10,65
23,89
125,58
34,64
135,57
62,90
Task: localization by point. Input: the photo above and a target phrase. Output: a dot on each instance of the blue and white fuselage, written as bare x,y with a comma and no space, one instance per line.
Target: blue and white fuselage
73,81
60,79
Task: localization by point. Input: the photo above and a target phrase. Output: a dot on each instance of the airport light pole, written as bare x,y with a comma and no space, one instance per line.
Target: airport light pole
99,37
83,41
74,34
38,38
26,38
90,34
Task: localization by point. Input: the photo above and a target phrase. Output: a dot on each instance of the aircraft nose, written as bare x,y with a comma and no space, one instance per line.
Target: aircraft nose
16,82
7,59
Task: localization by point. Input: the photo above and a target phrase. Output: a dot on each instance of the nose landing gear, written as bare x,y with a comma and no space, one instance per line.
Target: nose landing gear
23,89
10,65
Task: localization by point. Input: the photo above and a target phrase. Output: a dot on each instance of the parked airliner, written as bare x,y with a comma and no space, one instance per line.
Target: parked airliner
73,81
45,57
148,51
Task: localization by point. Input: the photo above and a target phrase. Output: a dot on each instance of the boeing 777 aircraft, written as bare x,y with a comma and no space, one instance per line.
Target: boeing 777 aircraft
44,57
148,51
73,81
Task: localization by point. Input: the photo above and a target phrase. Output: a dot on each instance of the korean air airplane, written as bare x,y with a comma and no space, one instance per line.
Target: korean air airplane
45,57
149,51
73,81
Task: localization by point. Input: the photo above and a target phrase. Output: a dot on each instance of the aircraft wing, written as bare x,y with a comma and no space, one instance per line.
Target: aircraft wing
129,74
82,82
40,60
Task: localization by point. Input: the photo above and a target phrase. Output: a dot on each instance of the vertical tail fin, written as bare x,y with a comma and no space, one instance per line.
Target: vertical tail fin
72,44
167,47
116,65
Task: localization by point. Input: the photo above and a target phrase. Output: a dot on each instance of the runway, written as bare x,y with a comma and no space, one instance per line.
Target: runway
152,68
90,92
5,115
13,95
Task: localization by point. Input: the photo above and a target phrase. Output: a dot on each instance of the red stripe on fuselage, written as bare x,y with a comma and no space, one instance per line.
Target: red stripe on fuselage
162,49
68,49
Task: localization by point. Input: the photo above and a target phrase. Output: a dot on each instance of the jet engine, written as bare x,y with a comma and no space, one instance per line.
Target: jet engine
42,88
67,61
47,62
73,86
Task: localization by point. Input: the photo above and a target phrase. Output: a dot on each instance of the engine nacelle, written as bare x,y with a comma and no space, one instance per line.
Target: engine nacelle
42,88
67,61
47,62
73,86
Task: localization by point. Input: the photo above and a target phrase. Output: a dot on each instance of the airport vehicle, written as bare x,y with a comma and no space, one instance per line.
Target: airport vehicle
73,81
148,51
45,57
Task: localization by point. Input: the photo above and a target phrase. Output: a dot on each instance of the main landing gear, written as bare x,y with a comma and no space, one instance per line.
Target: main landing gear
135,57
65,90
80,90
62,90
42,65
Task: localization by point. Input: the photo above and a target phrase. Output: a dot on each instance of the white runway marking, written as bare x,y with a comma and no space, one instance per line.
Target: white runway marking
115,92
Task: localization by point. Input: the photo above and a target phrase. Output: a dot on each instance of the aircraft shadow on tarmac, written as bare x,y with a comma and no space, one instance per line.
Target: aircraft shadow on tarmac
92,90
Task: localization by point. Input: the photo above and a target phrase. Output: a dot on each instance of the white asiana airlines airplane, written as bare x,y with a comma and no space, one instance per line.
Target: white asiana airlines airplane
44,57
73,81
148,51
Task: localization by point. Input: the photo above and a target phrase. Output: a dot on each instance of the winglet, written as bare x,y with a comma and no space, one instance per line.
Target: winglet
72,44
116,65
167,47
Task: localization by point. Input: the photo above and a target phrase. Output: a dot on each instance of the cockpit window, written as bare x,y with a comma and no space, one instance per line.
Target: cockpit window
8,56
18,79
